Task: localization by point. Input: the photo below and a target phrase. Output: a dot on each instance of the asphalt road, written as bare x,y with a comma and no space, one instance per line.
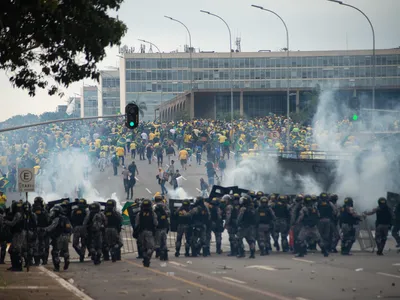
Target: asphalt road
279,276
146,184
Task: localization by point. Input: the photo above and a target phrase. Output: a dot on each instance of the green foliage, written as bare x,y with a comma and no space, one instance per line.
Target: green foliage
227,116
182,116
141,105
309,110
55,35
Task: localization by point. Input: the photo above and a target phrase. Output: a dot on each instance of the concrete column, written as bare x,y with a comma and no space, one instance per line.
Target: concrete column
297,101
241,104
354,93
191,106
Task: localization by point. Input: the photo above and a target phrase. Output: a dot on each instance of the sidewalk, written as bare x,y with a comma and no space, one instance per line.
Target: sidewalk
38,284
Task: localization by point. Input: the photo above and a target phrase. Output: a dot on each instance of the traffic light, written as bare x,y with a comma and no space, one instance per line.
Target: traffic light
131,116
354,105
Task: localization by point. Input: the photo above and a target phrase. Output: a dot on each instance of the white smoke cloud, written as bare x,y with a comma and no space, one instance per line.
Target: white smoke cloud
365,175
66,170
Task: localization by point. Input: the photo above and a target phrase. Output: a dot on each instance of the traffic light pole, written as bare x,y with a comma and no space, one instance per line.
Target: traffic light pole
60,121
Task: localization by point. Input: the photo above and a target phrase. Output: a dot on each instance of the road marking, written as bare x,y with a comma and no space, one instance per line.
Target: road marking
300,298
15,287
198,190
165,290
389,275
183,178
244,287
198,285
304,260
268,268
234,280
65,284
141,279
137,179
148,191
232,152
177,264
396,264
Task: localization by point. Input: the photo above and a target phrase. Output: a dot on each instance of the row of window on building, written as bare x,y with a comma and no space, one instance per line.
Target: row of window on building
267,62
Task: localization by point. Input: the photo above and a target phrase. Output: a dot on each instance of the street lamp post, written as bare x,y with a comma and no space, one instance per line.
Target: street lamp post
373,50
288,76
162,80
190,51
230,58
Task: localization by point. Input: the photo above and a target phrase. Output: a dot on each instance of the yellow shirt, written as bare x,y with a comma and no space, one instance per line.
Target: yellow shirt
133,146
36,169
3,200
97,143
120,151
183,154
187,138
151,136
222,139
3,160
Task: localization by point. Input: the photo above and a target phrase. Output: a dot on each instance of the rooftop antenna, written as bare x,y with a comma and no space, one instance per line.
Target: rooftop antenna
142,48
238,44
151,49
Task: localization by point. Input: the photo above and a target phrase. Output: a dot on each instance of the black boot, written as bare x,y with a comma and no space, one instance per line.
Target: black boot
146,262
324,252
118,253
56,267
37,261
240,253
233,251
301,251
177,252
252,253
208,251
194,252
219,250
3,255
262,252
166,255
157,252
106,255
66,264
187,249
140,252
277,247
205,253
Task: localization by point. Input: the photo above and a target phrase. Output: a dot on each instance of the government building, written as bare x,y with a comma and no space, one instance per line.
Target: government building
198,85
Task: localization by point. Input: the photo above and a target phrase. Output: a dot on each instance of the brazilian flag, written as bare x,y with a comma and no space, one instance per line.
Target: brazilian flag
128,212
4,183
121,142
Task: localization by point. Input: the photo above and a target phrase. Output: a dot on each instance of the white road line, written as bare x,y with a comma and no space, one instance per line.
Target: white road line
396,264
232,152
183,178
300,298
167,165
198,190
177,264
304,260
148,191
268,268
234,280
136,179
66,284
16,287
388,275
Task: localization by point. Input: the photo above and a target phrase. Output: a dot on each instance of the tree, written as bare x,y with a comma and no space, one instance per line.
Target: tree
182,116
307,112
53,35
142,107
227,116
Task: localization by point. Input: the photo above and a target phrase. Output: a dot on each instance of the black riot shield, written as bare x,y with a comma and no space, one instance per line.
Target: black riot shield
174,205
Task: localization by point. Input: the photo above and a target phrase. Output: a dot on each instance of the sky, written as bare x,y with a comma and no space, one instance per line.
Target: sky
312,25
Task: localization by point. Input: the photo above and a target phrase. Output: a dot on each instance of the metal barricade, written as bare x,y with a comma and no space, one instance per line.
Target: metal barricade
365,237
128,240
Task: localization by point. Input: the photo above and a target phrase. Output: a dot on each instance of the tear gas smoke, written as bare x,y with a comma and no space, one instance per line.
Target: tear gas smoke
363,175
70,108
179,193
64,174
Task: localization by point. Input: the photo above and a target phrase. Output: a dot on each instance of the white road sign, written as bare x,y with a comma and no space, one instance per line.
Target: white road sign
26,180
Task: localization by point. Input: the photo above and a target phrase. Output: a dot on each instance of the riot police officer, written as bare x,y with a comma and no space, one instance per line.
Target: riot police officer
232,212
95,222
281,224
18,242
265,218
309,233
396,225
294,216
348,220
60,232
200,217
246,223
333,198
78,216
41,249
162,229
145,228
113,230
382,224
327,211
216,226
184,228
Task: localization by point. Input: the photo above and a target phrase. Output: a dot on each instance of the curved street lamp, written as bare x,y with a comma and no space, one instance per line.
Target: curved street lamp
162,81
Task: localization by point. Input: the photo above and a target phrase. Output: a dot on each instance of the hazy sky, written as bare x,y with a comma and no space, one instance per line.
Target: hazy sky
312,24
